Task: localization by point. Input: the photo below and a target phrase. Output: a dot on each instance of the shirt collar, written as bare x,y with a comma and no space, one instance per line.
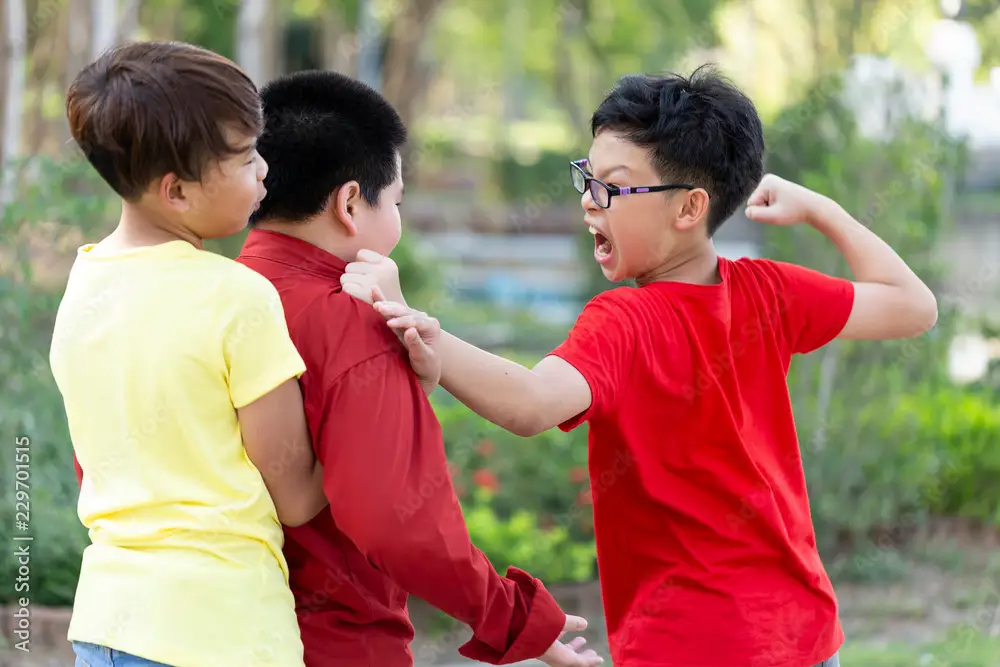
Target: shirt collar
288,250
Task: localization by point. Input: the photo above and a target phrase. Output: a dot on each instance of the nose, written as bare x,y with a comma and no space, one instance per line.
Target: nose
587,201
261,168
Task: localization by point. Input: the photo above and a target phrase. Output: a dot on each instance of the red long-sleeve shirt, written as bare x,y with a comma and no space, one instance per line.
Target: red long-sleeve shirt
394,526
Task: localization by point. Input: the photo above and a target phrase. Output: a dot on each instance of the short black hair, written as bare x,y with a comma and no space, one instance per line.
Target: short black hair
700,130
321,130
146,109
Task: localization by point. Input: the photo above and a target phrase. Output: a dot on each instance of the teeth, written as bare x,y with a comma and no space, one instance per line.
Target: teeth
593,230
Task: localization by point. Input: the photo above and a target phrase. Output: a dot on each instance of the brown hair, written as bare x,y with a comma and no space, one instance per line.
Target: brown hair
147,109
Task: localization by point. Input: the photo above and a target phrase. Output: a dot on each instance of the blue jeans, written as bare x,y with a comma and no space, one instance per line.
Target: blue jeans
91,655
832,662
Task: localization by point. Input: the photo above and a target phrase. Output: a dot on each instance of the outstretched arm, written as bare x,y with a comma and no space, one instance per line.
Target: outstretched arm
521,400
558,390
582,376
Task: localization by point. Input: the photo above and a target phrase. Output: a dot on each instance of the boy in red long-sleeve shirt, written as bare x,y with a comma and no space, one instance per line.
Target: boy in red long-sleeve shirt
705,543
394,526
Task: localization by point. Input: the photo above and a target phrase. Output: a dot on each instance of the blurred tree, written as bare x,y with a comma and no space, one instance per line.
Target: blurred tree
984,15
13,65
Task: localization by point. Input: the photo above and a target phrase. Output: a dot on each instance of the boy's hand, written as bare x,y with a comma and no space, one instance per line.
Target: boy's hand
419,334
780,202
569,655
371,270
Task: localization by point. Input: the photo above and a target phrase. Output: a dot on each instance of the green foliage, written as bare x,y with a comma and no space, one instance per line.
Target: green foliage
954,436
546,473
526,500
419,277
544,180
214,29
547,552
54,196
849,397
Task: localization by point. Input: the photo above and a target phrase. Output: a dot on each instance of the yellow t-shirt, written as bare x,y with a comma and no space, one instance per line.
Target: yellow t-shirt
153,350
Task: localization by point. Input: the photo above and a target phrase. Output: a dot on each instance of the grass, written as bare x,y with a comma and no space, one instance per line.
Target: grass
961,649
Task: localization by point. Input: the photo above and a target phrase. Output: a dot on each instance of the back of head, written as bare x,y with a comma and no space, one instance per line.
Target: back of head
148,109
701,130
322,130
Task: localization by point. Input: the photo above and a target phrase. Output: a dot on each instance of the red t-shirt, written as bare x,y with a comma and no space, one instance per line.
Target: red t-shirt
705,542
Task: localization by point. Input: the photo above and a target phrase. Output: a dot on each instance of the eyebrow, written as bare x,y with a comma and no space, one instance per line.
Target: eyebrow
618,167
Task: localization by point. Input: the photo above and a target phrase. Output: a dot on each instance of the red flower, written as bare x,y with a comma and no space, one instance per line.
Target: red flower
485,448
584,498
577,475
485,479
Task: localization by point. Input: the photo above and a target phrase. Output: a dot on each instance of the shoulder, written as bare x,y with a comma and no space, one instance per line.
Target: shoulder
618,303
241,279
756,270
767,272
337,332
234,291
627,308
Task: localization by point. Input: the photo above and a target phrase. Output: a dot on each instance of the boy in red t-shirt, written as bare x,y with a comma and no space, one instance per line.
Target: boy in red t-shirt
705,543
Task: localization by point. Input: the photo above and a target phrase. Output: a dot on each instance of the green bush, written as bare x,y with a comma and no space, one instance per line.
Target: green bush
547,552
546,474
60,194
957,434
526,500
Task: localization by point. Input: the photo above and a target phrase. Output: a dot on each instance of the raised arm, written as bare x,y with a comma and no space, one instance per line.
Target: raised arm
387,481
889,300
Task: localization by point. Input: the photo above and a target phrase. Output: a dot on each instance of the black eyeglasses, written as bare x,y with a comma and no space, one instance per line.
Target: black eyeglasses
602,193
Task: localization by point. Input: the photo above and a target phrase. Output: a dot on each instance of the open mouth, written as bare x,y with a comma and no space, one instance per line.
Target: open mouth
602,245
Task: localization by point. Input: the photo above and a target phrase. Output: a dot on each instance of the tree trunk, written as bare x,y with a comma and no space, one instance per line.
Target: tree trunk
569,25
104,26
338,54
257,29
15,36
404,77
368,46
79,38
128,27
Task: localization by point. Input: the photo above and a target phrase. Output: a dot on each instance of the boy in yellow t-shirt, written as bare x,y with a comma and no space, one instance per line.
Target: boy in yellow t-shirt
179,379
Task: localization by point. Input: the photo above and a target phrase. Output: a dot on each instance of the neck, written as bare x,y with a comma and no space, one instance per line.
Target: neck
699,266
314,233
140,227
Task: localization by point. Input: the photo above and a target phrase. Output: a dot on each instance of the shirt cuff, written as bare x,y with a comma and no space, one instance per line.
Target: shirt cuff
544,624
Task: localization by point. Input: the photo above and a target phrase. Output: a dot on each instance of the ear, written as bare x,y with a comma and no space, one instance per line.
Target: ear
694,209
171,192
344,206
